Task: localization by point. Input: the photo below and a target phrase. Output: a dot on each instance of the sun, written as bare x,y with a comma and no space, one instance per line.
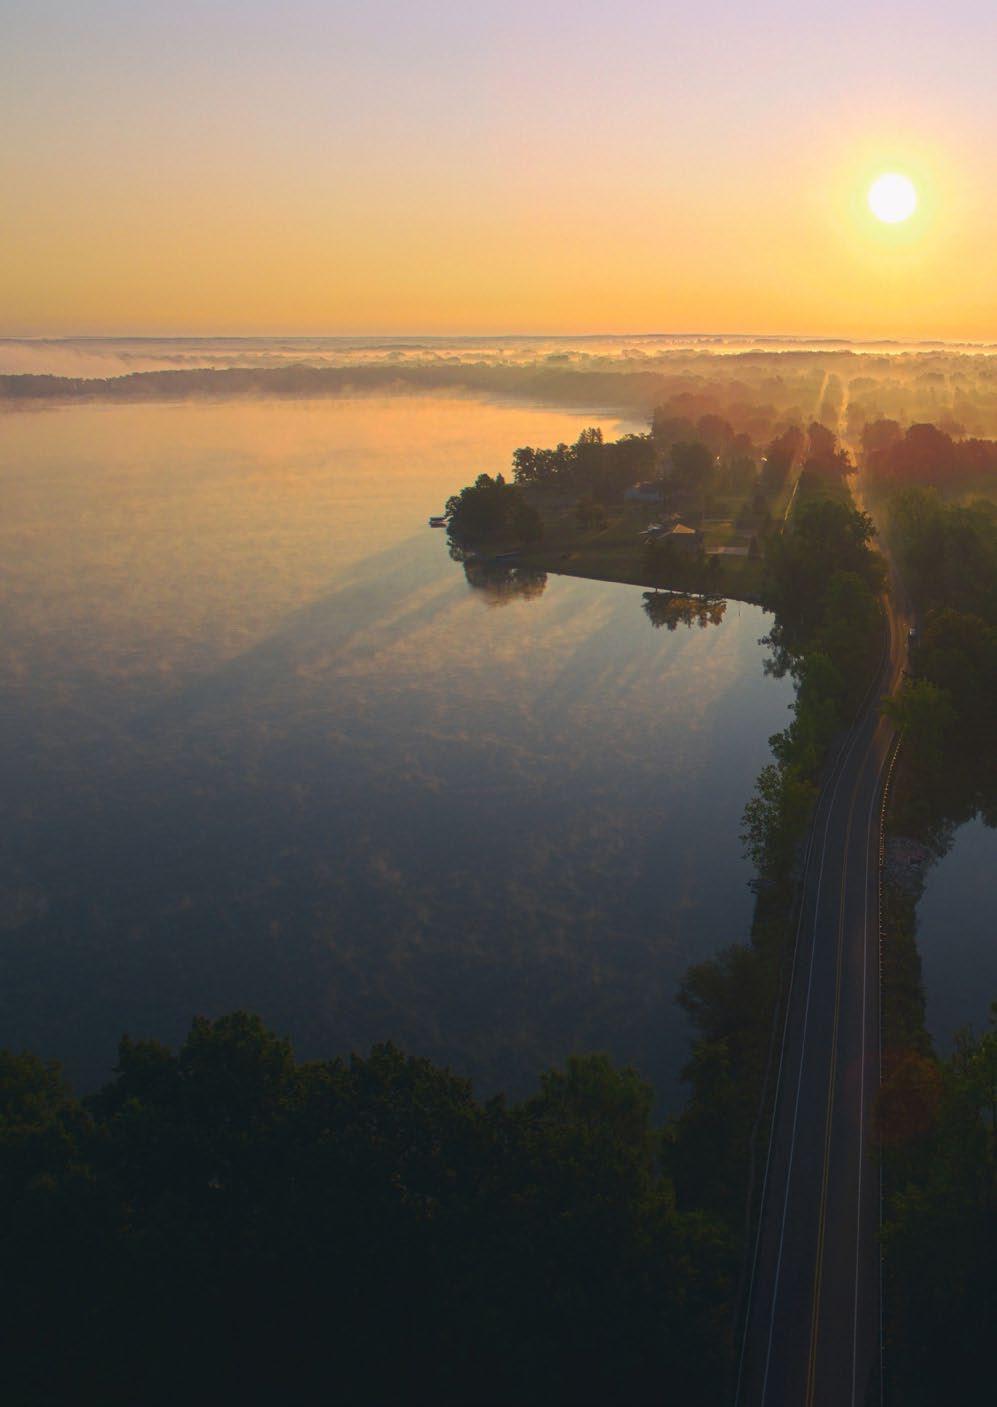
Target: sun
892,198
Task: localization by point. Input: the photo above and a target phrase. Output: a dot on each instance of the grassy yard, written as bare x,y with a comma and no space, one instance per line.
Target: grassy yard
617,553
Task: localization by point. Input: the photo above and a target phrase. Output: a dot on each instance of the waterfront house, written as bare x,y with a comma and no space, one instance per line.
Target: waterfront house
683,538
656,530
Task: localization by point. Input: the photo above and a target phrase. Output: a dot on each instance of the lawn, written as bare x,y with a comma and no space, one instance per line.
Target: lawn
617,553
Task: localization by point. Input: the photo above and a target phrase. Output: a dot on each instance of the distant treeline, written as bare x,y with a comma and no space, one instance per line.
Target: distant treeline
759,392
924,455
225,1224
681,396
636,390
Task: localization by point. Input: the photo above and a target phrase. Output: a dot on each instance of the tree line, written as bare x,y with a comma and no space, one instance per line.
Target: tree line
226,1223
948,555
923,455
938,1118
490,510
822,579
697,466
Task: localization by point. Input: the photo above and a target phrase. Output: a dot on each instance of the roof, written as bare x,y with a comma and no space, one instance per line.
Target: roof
680,530
656,529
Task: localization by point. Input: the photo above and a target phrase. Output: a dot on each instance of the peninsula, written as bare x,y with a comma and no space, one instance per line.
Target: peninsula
688,506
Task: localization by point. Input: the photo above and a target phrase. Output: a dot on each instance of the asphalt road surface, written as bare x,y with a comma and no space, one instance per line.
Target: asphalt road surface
813,1319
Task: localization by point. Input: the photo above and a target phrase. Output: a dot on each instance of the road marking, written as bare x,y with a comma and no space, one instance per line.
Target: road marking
865,978
819,1266
803,1052
818,1279
894,750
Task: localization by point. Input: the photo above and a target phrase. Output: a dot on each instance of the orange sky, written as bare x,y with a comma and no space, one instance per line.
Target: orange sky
435,167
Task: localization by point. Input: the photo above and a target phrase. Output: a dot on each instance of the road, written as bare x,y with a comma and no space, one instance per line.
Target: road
812,1332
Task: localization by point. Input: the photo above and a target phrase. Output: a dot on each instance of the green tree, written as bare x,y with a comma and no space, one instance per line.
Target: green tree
265,1214
693,468
780,457
924,713
590,514
775,817
489,510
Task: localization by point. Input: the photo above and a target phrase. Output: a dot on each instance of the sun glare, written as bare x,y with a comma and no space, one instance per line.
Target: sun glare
892,198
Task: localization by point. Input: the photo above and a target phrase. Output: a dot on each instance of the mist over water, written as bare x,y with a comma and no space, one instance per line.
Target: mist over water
266,746
758,384
121,356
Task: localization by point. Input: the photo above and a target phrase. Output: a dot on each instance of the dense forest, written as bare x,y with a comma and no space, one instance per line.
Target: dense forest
226,1224
925,455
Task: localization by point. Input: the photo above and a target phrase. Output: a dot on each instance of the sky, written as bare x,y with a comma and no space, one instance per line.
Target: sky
407,166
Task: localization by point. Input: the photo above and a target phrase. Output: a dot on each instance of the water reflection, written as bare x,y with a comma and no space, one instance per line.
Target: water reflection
503,582
263,748
671,610
956,923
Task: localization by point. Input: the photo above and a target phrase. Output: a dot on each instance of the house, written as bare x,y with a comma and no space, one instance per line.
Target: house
656,530
646,492
683,538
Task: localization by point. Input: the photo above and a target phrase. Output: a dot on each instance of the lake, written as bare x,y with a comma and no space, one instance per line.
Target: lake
957,935
266,745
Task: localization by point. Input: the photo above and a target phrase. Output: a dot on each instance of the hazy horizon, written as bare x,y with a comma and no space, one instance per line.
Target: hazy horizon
108,355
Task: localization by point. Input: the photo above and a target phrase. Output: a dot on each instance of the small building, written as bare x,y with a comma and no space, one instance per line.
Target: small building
656,530
647,492
683,538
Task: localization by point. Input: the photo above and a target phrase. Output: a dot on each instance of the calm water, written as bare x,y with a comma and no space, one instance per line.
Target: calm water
264,745
957,935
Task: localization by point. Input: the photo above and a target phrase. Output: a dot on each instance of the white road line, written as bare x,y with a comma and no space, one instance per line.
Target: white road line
836,767
894,749
862,1072
803,1053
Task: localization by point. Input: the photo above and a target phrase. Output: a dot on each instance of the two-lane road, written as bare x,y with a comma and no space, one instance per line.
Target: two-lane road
812,1333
